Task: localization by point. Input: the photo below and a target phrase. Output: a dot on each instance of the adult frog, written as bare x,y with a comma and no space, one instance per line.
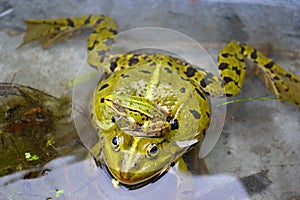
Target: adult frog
149,109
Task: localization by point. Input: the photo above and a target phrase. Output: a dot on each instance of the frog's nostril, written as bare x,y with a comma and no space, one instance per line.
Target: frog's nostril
136,166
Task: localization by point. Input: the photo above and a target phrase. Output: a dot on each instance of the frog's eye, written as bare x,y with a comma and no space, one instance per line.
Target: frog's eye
113,120
152,151
174,124
116,143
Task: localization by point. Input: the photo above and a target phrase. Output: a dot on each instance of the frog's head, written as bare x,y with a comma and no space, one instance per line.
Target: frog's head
134,160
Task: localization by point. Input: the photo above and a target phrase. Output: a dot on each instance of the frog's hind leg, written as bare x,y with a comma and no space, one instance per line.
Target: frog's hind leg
101,40
232,68
285,85
51,31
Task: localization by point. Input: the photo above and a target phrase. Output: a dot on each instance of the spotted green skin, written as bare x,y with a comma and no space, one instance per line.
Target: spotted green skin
131,163
136,159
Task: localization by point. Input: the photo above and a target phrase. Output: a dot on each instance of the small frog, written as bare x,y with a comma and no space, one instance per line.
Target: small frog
153,119
150,109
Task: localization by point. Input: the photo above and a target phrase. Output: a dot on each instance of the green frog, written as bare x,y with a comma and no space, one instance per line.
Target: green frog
149,109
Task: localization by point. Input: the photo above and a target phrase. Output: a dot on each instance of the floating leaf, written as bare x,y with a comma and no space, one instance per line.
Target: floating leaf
31,158
59,193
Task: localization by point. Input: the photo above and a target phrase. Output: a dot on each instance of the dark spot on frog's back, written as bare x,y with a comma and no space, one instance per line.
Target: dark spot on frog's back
113,66
182,78
88,20
168,70
103,86
254,54
203,83
124,76
223,66
99,20
115,32
288,75
201,93
195,113
269,65
237,71
109,41
102,53
190,71
286,89
225,55
153,64
182,90
133,61
227,79
70,22
145,71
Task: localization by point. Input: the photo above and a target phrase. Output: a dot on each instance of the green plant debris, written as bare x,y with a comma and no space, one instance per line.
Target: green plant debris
249,99
59,193
29,157
50,142
115,183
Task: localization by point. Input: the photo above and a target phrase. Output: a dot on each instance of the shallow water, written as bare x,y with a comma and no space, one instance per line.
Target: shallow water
258,135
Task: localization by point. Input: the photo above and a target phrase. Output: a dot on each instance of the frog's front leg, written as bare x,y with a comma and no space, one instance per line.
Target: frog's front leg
132,124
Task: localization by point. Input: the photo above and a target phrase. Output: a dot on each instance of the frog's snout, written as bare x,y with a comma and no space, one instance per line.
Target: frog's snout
133,178
131,171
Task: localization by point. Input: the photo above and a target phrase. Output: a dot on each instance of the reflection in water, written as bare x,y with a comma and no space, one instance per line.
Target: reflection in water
5,8
82,180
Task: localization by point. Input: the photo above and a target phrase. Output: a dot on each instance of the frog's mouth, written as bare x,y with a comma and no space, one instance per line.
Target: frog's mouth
135,180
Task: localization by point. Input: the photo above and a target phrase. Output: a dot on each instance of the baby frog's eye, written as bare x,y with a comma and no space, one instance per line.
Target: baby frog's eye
116,143
152,151
113,120
174,124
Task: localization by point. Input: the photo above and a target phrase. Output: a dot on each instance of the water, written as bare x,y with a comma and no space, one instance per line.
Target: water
261,136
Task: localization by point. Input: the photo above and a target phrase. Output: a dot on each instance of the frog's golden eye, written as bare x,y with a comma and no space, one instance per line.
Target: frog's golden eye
116,143
152,151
